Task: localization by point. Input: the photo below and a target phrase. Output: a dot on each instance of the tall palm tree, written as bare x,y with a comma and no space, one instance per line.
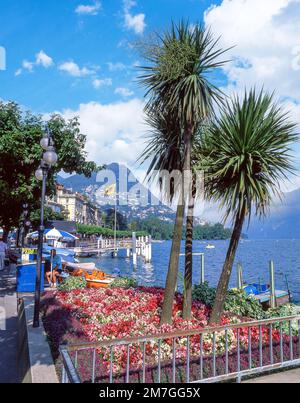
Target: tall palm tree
246,153
177,85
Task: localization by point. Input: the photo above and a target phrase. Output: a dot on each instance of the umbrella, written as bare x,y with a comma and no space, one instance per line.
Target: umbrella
54,234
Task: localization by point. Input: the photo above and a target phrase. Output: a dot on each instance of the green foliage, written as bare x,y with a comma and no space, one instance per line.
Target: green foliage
282,311
72,283
161,230
110,220
20,155
49,215
246,152
237,302
242,304
176,77
205,294
106,232
124,282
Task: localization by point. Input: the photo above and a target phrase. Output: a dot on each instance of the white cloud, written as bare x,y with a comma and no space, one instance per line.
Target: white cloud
114,131
266,35
74,70
28,65
98,83
116,66
133,22
43,59
92,9
124,92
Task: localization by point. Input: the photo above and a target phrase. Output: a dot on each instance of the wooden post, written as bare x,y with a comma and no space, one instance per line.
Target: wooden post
272,285
240,282
146,249
150,248
134,256
202,269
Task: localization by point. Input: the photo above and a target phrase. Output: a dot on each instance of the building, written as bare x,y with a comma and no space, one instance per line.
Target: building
77,207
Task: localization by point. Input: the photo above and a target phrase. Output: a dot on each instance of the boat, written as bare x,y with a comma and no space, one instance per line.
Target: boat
79,266
98,279
262,293
95,278
210,247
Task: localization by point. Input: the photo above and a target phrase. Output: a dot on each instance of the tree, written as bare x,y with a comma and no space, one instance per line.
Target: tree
49,215
180,97
121,220
246,152
20,154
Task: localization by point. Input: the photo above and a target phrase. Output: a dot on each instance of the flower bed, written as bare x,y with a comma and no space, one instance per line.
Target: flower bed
106,314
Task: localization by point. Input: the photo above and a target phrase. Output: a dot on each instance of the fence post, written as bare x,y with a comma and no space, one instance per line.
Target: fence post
272,285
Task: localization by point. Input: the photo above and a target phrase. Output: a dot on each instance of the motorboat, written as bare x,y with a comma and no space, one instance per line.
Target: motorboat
210,247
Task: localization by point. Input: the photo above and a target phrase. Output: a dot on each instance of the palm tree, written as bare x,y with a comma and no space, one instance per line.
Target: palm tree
177,86
245,153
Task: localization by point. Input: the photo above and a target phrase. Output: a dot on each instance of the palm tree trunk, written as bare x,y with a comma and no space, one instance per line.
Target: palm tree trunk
171,281
227,269
188,274
172,275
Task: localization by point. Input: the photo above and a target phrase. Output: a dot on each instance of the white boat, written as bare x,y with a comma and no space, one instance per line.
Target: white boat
81,266
210,247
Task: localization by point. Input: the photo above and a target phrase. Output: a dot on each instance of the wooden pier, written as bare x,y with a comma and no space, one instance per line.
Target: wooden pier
135,247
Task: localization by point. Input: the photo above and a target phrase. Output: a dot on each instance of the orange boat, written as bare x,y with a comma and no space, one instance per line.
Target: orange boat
98,279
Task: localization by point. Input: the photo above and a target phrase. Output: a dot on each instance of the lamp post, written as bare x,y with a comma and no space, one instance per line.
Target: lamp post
49,159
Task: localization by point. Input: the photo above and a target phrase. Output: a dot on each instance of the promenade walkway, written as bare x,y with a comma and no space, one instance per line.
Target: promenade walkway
291,376
8,327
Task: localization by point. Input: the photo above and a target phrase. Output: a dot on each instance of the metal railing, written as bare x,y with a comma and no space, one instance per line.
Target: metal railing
207,355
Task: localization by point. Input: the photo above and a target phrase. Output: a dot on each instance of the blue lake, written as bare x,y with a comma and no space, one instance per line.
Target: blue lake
253,254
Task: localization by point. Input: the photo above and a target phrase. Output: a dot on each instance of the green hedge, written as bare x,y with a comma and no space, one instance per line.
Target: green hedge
107,232
237,302
72,283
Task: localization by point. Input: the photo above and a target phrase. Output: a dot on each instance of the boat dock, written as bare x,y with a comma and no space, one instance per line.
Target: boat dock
141,246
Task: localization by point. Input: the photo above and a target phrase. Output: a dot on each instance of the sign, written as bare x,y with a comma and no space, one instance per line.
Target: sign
27,251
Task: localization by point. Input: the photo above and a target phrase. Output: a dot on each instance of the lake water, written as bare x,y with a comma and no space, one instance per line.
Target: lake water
253,254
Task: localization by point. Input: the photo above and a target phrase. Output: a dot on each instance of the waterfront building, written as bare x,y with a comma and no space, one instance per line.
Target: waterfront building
77,207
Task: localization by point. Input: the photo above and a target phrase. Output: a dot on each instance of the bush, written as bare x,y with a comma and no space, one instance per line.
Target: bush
237,302
242,304
72,283
282,311
124,282
205,294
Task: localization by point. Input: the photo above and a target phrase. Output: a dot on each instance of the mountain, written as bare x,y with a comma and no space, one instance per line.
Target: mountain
283,221
134,199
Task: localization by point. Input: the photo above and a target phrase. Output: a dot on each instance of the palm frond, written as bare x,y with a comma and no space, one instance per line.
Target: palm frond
246,152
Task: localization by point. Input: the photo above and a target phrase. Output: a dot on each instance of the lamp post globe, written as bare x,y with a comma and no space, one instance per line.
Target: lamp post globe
39,174
50,157
45,143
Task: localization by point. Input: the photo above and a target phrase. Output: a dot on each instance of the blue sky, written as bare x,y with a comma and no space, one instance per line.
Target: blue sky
75,57
96,39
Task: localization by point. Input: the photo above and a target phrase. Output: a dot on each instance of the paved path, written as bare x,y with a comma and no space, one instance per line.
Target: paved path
8,328
292,376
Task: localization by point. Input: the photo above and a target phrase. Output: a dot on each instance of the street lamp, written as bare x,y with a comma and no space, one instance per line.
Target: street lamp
49,159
